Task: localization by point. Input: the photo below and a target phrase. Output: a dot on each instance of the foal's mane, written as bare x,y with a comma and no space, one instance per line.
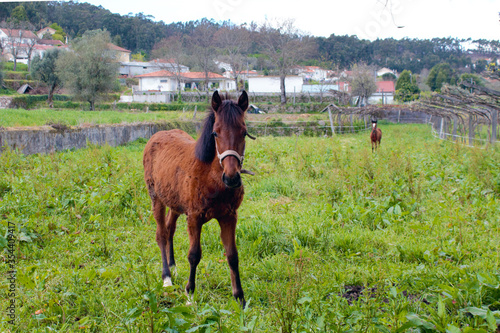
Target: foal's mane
229,114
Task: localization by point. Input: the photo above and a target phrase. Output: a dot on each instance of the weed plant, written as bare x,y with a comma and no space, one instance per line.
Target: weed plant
331,237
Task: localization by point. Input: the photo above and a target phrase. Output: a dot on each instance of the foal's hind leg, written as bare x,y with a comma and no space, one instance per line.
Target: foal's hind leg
194,224
165,229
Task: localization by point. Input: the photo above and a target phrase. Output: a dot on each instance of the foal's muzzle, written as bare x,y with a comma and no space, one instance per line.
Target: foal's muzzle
232,182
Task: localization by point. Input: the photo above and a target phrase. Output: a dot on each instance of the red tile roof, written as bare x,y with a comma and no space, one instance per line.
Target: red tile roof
187,75
47,47
15,33
201,75
385,86
50,42
162,73
117,48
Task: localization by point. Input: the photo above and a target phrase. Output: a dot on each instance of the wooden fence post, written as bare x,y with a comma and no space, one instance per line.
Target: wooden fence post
471,131
441,127
494,124
340,122
455,121
331,120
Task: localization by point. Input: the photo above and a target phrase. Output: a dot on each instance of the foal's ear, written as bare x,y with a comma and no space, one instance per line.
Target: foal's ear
216,101
243,101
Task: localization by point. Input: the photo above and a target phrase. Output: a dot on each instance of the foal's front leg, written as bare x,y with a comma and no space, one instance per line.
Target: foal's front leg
228,237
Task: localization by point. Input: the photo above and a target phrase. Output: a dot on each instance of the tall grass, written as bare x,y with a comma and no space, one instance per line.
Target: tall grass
331,237
19,117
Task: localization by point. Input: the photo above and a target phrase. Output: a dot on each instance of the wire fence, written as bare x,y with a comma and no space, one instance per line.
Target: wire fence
474,140
303,128
480,137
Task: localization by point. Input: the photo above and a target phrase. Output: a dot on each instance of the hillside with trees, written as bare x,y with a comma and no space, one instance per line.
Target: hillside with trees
140,33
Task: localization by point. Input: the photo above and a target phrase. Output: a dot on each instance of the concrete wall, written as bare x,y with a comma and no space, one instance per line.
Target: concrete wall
47,139
151,97
158,83
271,84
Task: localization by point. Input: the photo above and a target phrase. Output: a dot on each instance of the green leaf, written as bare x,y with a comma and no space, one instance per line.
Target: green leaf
453,329
304,300
490,319
441,308
397,210
3,242
475,311
419,322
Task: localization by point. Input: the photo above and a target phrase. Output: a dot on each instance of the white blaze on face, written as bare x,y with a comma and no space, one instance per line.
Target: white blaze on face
374,124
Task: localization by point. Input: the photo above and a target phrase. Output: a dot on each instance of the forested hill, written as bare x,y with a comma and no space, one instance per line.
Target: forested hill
140,33
136,33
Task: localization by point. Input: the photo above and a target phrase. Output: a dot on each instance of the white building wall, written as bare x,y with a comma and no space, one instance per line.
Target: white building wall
157,83
376,98
271,84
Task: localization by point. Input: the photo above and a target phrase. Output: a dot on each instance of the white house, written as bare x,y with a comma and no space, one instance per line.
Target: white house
167,81
133,68
315,73
157,81
196,80
386,70
45,31
40,49
18,40
271,84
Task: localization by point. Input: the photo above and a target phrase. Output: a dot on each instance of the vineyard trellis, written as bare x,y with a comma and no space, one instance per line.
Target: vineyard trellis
465,112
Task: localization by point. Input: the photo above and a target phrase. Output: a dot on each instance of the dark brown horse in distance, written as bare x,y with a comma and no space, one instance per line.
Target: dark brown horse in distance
202,180
375,135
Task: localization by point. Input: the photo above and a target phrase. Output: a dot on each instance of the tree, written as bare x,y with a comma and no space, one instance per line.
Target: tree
406,88
59,34
20,40
29,46
233,42
202,47
285,46
363,82
44,70
1,75
90,70
139,56
439,75
472,79
19,14
173,51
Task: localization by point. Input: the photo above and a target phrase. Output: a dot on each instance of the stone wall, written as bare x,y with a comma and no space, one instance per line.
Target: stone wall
47,139
5,102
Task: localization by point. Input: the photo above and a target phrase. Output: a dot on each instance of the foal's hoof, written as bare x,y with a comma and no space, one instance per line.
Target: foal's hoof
190,299
167,282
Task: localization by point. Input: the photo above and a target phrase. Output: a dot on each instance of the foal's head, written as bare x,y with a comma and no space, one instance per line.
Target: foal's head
223,137
374,124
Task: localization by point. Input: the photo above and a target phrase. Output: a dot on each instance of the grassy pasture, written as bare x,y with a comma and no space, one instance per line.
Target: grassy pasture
40,117
331,237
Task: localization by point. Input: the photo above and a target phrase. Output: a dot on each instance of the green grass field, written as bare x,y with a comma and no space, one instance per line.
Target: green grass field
40,117
331,237
20,117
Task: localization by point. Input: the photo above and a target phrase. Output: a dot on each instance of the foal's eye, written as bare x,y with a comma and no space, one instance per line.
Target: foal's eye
214,134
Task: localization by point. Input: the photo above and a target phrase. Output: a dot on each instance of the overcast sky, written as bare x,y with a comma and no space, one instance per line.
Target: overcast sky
368,19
